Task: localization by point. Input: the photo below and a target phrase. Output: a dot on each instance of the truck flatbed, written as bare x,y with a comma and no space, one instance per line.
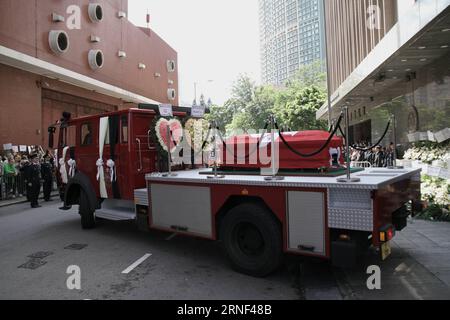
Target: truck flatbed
371,179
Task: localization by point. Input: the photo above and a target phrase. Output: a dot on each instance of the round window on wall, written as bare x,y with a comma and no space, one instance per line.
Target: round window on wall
96,59
58,41
171,66
171,94
95,11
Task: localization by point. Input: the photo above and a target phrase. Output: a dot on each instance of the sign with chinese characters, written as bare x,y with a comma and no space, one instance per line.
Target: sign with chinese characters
166,110
198,111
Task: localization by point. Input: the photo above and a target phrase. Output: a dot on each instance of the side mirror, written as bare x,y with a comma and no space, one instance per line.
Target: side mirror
51,133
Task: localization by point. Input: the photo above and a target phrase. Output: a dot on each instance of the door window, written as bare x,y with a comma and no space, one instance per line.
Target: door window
124,129
86,134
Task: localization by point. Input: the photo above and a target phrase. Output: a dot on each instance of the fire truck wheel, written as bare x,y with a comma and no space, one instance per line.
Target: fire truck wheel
252,239
87,215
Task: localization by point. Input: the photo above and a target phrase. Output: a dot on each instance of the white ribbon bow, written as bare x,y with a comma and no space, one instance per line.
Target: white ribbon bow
72,165
111,165
100,171
63,171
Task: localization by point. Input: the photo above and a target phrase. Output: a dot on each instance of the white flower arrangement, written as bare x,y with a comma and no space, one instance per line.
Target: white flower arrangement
434,190
196,131
428,153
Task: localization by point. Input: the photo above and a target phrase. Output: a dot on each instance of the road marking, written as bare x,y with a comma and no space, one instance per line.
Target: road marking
138,262
171,237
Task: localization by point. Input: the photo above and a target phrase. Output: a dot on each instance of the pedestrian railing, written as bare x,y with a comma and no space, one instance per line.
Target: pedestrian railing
15,186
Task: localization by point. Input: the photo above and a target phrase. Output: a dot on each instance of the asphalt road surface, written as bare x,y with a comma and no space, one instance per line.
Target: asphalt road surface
37,247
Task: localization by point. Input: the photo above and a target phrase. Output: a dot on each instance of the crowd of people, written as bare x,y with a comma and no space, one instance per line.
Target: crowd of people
25,175
378,157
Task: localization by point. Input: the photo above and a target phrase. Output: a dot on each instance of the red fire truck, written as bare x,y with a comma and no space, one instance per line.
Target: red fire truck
109,165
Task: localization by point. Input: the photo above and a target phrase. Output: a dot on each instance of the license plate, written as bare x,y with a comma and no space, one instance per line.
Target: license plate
385,250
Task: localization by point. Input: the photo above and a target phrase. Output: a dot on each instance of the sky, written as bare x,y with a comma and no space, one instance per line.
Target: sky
216,40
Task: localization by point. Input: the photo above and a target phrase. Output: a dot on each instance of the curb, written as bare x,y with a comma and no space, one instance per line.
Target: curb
24,200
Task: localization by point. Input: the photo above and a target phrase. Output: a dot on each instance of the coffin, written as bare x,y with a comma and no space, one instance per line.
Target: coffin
246,155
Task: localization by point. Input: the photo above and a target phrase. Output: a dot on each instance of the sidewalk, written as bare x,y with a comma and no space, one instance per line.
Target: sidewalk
429,244
18,200
419,268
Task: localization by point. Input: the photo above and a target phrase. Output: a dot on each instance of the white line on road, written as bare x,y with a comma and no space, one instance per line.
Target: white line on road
138,262
171,237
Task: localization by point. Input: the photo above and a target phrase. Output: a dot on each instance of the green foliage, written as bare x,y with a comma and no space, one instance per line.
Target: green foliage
434,212
255,113
296,108
294,105
221,114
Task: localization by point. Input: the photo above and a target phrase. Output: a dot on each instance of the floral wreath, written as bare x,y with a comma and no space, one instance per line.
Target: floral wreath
156,137
194,128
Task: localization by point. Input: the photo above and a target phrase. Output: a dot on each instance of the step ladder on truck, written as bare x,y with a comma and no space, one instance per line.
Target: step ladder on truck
112,167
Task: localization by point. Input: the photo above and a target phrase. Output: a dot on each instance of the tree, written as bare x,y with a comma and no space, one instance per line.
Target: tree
256,112
241,95
294,106
296,109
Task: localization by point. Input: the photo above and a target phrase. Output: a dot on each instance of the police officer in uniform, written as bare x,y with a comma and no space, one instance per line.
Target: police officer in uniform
47,176
33,180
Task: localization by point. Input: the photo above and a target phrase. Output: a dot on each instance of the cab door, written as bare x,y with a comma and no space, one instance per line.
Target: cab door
123,154
144,150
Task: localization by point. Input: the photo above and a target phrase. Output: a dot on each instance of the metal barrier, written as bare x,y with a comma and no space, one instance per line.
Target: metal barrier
361,164
14,186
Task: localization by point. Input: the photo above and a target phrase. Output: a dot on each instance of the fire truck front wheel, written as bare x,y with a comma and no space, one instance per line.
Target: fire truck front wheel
252,239
86,213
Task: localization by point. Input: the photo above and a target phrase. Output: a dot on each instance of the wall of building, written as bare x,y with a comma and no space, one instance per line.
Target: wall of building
354,28
25,27
20,107
31,103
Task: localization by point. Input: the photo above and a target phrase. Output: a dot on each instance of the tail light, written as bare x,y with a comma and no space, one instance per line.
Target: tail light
387,233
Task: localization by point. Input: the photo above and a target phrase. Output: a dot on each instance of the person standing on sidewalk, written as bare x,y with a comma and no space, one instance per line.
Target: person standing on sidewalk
23,168
10,173
33,178
1,177
47,176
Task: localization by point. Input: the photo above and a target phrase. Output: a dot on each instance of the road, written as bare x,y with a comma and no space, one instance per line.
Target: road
175,267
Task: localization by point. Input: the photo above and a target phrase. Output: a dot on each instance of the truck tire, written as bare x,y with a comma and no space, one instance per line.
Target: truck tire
87,215
252,239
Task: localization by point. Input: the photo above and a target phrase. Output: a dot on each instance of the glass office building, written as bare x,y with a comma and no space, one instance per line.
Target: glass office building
291,35
390,57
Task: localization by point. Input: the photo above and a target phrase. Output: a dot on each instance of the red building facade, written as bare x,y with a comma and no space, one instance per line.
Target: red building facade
78,56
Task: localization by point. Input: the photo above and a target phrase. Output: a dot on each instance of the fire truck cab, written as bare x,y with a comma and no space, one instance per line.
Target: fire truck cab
109,166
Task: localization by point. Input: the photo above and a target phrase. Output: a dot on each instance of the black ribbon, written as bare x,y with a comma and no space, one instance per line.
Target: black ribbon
309,155
371,147
114,128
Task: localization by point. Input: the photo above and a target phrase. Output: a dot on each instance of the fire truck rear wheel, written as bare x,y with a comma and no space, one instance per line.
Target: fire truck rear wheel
87,215
252,239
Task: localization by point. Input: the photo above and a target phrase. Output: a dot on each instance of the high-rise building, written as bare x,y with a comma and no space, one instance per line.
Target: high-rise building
291,35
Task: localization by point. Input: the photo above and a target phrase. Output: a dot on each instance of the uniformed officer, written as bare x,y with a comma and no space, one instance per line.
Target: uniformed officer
47,176
33,180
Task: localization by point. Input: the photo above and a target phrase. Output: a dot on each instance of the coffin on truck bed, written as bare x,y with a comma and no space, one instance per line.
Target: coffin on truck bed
305,142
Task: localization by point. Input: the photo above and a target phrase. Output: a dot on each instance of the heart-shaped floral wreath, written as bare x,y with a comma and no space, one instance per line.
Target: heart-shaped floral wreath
176,135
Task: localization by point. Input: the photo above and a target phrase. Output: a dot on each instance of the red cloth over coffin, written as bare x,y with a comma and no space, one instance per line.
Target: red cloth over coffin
305,142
